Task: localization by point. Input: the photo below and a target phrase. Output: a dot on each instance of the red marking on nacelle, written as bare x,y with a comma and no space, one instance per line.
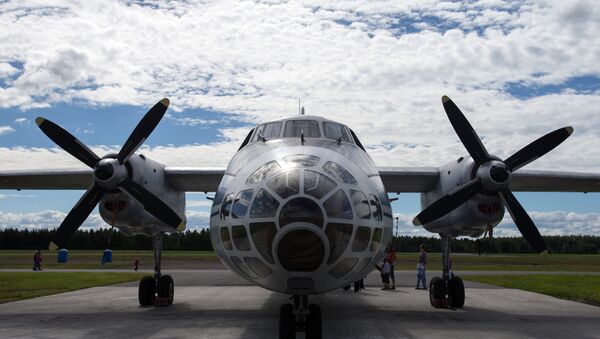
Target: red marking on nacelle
489,208
115,206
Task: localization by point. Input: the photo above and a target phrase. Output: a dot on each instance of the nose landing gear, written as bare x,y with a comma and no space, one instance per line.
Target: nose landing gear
157,290
300,317
448,290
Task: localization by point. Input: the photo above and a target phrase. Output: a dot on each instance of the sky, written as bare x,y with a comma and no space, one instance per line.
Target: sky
517,70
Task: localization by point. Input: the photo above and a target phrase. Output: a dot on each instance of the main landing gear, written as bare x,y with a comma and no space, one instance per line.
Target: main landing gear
448,290
300,317
157,290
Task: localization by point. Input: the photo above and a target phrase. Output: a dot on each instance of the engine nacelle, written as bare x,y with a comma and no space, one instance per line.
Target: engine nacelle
471,218
121,210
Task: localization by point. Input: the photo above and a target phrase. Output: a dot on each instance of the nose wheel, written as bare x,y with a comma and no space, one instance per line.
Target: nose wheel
157,290
449,289
300,317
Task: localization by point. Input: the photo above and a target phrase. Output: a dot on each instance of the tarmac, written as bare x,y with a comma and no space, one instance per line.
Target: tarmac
218,304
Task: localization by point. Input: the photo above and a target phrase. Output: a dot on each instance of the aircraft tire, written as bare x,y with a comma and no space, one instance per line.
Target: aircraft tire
287,322
146,291
456,292
437,292
166,288
314,322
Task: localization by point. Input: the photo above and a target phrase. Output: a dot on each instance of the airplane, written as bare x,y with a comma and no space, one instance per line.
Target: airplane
301,208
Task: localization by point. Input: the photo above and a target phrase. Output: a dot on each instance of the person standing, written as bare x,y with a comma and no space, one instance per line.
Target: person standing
391,257
385,274
421,267
136,264
37,260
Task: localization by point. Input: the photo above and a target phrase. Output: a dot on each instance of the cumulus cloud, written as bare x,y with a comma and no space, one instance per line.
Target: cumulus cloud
6,130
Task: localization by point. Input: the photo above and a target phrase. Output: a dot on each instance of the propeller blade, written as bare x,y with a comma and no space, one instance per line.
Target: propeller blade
77,216
143,130
448,202
152,204
523,221
465,132
67,142
538,148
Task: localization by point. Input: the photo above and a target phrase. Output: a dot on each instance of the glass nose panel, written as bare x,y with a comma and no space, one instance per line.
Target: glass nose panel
361,239
337,171
263,234
338,206
339,237
240,238
317,184
361,204
301,210
301,251
264,205
286,184
241,203
263,172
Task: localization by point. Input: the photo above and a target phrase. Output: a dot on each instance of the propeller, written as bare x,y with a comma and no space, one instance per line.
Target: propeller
492,175
110,173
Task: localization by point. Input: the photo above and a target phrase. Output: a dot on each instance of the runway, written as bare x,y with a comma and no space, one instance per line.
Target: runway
218,304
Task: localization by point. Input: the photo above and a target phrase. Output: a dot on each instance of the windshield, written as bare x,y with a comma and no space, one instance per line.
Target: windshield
336,132
294,128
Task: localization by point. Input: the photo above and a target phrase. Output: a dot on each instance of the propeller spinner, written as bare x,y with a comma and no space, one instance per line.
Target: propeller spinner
110,173
492,175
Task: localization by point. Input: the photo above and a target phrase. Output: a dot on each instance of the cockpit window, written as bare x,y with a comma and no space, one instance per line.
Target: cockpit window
295,128
339,172
268,131
264,205
317,184
286,184
336,132
262,172
241,203
338,206
361,204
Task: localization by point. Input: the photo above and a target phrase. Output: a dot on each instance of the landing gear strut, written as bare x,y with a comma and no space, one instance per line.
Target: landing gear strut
448,290
300,317
159,289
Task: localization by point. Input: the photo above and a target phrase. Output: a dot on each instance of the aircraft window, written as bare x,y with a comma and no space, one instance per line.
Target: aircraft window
317,184
301,210
339,172
294,128
301,160
238,263
338,206
240,238
362,264
301,251
361,239
361,204
263,234
376,208
344,267
226,207
376,239
339,237
268,131
336,132
356,141
258,267
262,172
286,184
264,205
226,239
246,140
241,203
385,203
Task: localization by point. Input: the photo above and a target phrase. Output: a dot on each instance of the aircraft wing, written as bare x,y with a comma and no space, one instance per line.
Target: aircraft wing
180,178
423,179
395,179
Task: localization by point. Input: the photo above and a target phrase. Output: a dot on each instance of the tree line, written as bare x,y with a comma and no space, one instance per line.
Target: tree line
199,240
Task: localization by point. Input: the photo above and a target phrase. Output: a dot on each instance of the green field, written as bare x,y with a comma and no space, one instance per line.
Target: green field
581,288
24,285
406,261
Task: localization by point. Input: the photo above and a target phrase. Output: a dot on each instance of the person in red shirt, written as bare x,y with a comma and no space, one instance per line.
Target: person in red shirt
391,257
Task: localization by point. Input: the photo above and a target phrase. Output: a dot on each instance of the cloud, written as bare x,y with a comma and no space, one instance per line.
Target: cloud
21,121
6,130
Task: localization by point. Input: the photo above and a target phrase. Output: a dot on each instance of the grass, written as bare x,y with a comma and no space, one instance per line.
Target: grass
24,285
85,259
581,288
